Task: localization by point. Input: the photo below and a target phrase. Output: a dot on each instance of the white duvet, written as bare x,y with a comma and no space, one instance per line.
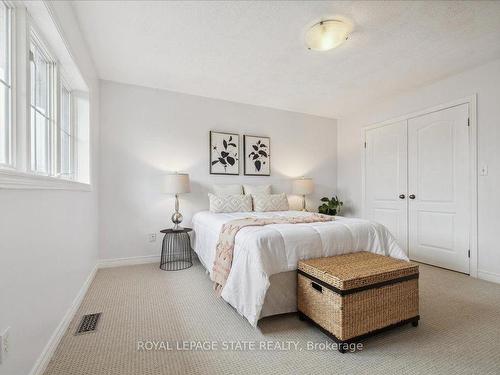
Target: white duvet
264,251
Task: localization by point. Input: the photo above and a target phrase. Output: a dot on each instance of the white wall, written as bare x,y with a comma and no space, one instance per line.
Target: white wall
485,81
146,132
48,241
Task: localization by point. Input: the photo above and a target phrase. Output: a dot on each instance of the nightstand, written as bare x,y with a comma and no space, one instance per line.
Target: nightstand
176,250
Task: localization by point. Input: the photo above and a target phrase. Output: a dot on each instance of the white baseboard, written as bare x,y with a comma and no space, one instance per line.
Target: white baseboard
118,262
489,276
48,351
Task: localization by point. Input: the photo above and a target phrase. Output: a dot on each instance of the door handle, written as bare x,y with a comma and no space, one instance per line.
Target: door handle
401,196
412,196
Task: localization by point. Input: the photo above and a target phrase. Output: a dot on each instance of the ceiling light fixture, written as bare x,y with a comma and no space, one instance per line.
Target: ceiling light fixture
326,35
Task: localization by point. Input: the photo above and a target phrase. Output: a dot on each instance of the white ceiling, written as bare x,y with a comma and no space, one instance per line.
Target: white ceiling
253,52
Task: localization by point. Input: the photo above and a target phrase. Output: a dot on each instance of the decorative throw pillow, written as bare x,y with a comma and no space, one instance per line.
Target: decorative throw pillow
228,189
230,203
257,189
270,202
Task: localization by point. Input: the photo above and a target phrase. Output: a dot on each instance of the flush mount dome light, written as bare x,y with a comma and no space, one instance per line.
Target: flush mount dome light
326,35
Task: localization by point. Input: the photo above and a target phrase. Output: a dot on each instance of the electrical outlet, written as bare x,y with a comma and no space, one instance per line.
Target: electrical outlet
4,344
152,237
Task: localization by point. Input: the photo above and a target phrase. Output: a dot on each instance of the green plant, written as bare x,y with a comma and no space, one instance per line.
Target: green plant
330,206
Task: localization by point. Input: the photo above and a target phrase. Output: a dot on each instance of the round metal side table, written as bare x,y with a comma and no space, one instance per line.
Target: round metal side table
176,250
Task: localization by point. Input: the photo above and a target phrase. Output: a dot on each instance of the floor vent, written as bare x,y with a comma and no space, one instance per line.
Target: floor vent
88,323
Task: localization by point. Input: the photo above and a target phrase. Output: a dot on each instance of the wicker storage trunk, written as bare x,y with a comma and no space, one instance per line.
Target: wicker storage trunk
355,295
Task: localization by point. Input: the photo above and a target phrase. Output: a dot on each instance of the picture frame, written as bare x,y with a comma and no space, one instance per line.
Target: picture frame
224,149
257,155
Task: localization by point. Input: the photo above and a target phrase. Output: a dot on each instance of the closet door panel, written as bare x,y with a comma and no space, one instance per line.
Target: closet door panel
438,152
386,179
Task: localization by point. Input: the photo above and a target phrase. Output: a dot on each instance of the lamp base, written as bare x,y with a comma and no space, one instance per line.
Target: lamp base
304,203
177,228
177,219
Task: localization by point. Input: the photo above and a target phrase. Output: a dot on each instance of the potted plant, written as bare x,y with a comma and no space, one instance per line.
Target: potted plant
330,206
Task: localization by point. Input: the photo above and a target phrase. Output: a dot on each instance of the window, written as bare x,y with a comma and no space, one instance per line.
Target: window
5,86
42,107
50,147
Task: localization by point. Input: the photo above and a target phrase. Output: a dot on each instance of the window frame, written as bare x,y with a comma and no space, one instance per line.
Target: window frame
9,84
72,132
52,97
25,18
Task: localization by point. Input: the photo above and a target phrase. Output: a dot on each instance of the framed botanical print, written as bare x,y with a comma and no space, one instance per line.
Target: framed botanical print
224,153
257,152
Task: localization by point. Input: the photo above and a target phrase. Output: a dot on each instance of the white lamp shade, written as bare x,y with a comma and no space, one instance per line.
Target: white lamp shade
303,186
177,183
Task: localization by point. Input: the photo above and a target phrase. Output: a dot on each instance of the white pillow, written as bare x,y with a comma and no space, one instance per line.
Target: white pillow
257,189
230,203
228,189
270,202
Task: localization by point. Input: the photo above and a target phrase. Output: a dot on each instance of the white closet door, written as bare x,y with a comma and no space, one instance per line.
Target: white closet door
386,179
438,188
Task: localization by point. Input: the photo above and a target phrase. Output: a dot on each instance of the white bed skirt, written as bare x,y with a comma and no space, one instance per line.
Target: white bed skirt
281,297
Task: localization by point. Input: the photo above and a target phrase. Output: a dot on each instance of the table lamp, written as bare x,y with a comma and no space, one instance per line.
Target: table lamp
303,186
177,183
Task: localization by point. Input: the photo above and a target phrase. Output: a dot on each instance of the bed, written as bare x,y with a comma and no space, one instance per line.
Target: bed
262,281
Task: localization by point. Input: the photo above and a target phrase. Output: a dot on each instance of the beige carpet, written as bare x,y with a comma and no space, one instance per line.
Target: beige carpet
459,332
